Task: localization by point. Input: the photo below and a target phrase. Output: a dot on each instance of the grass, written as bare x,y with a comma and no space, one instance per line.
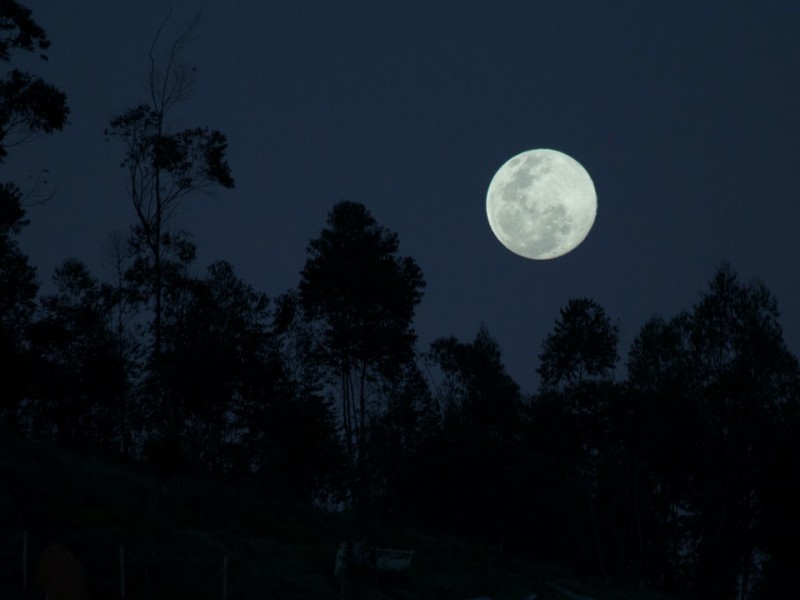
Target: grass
175,543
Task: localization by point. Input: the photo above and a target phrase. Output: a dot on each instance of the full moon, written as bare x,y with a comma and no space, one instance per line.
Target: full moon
541,204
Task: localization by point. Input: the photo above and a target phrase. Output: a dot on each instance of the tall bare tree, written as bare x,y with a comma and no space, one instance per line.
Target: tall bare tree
164,167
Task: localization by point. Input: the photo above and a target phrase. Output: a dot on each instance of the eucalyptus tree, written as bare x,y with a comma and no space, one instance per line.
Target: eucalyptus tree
475,390
360,295
28,106
720,379
473,471
81,375
582,346
124,297
18,289
295,426
746,383
215,349
164,167
661,410
576,368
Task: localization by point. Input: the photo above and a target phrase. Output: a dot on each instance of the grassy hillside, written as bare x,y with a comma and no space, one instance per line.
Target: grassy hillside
175,542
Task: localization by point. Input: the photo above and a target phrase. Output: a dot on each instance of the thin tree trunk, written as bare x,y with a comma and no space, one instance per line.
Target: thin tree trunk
625,510
638,517
346,415
351,433
123,424
596,530
362,407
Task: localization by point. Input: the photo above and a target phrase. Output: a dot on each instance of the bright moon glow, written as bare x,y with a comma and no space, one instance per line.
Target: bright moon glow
541,204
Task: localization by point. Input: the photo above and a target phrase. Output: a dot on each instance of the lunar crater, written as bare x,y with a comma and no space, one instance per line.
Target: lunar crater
541,204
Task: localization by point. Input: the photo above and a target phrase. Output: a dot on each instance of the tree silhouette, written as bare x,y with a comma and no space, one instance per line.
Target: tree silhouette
124,300
400,442
20,31
28,105
576,367
661,411
476,390
720,379
214,352
164,167
583,346
743,376
479,443
361,295
779,524
18,289
295,430
81,378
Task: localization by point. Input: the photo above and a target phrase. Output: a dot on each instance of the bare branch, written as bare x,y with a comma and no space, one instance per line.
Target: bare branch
153,85
175,84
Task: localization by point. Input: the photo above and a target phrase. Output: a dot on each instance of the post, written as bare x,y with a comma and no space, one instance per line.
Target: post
25,562
225,577
122,572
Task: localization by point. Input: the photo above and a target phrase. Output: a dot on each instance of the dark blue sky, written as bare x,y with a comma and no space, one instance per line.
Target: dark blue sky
686,115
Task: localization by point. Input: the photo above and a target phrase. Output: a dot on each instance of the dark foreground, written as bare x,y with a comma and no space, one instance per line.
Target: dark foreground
199,538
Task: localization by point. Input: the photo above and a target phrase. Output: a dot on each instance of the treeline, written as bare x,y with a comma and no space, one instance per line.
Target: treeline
683,475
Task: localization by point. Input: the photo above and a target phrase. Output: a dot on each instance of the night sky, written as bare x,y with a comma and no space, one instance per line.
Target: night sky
686,115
